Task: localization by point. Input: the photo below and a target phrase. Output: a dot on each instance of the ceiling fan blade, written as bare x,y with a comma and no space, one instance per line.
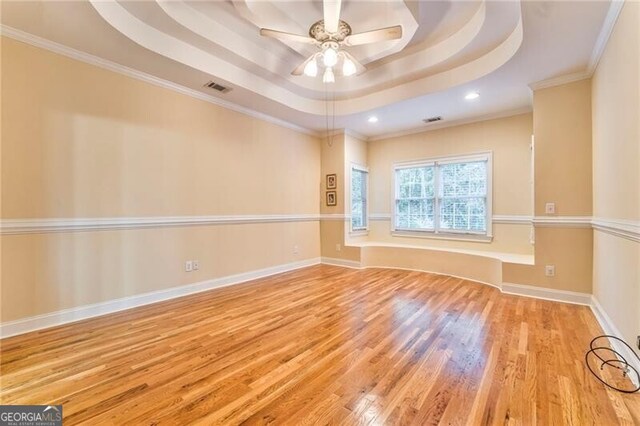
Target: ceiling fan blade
280,35
359,67
331,9
299,70
390,33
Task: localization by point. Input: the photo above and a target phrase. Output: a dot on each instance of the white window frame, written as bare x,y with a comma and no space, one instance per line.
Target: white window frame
449,234
364,230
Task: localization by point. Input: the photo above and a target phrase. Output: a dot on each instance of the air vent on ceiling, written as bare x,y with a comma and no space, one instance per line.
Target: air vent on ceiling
215,86
432,119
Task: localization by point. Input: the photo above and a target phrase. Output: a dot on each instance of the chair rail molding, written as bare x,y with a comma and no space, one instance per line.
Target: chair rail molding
31,226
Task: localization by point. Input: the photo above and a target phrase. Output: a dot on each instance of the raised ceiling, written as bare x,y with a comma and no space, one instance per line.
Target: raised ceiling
497,48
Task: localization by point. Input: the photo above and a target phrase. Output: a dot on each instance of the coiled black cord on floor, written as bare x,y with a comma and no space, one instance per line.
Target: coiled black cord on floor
614,359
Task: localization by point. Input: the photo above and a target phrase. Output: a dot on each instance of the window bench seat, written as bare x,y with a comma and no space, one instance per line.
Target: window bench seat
483,266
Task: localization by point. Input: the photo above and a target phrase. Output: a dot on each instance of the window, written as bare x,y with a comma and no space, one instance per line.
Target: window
444,195
359,182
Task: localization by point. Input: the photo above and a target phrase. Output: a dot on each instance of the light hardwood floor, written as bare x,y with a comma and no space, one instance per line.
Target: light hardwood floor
323,345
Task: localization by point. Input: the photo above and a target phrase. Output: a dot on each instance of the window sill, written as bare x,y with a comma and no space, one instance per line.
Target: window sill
476,238
359,233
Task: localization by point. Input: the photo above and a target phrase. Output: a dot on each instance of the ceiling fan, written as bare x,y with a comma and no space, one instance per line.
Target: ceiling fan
331,35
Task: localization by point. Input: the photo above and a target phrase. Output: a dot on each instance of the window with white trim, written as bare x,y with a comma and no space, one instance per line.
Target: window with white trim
359,183
449,195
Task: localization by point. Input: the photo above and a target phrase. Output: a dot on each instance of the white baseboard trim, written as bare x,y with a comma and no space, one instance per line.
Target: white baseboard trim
609,328
341,262
547,294
13,328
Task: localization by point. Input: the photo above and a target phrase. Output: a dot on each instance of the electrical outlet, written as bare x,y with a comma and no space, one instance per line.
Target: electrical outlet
196,265
550,270
188,266
338,247
296,250
550,208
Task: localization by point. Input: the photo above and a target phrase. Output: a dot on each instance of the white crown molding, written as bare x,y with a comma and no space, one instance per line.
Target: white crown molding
605,33
139,75
344,132
621,228
598,49
444,124
560,80
65,316
32,226
547,293
356,135
609,328
562,221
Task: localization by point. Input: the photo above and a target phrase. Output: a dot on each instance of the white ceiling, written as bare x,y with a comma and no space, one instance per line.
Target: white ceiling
497,48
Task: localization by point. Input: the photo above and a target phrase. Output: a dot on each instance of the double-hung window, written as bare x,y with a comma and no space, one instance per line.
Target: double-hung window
449,195
359,183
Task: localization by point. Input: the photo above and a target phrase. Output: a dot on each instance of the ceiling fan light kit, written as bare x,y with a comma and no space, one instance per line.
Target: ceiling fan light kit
328,76
348,67
330,54
311,68
331,35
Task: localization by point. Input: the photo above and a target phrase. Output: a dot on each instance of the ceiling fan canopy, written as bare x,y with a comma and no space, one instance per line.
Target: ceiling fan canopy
331,35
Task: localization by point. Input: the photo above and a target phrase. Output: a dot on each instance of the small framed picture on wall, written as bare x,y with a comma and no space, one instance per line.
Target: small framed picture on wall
332,182
332,199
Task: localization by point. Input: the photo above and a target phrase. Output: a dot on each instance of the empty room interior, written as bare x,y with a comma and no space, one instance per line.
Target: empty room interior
388,212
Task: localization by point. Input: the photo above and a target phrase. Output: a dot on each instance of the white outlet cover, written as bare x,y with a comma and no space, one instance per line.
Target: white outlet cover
550,270
196,265
338,247
188,266
550,208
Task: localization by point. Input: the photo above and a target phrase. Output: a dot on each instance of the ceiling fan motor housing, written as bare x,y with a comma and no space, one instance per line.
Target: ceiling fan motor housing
318,32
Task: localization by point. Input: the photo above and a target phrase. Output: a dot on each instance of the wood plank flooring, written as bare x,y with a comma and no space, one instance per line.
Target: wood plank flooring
322,345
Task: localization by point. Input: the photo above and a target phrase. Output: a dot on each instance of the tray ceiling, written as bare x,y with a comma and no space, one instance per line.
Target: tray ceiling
448,48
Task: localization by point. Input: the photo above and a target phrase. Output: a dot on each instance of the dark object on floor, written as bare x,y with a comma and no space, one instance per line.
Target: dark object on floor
614,359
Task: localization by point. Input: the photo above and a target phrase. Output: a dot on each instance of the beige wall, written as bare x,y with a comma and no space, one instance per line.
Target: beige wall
508,138
80,141
569,249
48,272
87,142
562,157
483,269
337,153
616,172
562,128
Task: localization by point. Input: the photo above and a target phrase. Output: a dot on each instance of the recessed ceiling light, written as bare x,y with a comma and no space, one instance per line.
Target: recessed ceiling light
472,95
373,119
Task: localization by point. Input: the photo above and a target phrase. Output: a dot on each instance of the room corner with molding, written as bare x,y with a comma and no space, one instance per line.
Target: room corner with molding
320,212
